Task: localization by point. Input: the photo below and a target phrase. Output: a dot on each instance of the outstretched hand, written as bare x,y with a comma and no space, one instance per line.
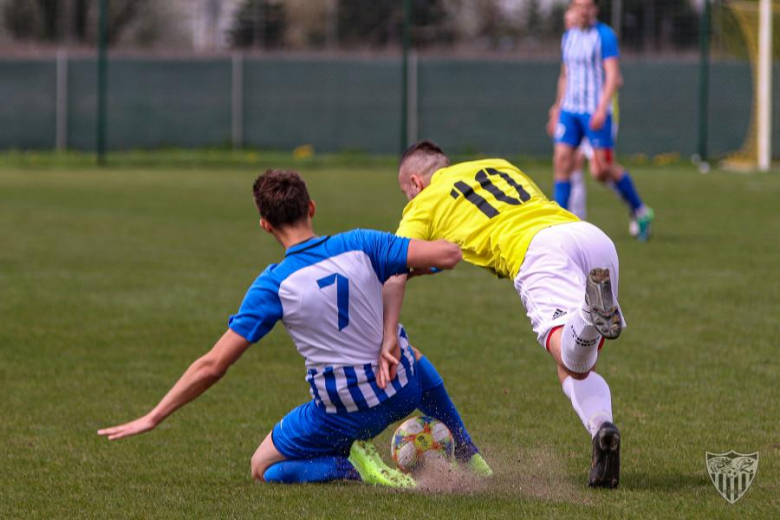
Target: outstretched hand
138,426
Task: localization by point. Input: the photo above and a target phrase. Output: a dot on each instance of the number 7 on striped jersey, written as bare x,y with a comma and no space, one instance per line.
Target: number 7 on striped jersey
342,295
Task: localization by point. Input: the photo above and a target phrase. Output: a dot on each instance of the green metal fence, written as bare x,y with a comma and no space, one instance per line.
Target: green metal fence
495,106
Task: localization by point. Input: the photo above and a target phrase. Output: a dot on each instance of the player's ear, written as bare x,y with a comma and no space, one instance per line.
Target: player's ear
312,208
268,228
417,183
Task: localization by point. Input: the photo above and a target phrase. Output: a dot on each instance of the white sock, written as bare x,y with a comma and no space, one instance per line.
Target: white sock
579,342
591,400
577,197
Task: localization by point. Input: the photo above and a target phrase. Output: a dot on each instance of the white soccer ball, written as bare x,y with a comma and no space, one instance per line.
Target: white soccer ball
418,439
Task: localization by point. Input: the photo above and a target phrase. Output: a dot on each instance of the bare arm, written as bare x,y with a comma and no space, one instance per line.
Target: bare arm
392,300
561,90
555,110
612,81
198,378
440,254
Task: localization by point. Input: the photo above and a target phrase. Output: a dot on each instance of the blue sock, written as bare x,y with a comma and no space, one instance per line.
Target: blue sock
436,403
321,469
625,186
561,192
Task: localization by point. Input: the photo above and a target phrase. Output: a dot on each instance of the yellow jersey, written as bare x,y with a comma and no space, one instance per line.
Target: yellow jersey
489,208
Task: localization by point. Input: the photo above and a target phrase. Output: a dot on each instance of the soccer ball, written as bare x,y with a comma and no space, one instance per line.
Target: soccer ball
420,438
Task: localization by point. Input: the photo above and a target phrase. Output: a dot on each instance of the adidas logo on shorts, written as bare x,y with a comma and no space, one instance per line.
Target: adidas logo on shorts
558,313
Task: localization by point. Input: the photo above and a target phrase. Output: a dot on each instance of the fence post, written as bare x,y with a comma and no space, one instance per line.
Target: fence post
61,125
704,83
411,117
237,101
617,17
764,67
102,83
407,7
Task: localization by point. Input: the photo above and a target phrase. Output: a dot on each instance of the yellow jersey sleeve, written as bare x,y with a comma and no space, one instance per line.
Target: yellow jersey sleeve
415,223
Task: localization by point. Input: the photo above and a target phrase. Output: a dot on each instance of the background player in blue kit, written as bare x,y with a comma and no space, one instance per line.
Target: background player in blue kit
328,293
589,79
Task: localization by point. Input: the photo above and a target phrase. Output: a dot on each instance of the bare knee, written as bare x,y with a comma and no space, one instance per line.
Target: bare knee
600,174
564,372
417,353
264,457
554,347
577,375
563,162
258,468
600,168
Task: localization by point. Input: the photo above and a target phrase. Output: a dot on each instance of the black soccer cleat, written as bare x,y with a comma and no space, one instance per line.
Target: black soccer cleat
605,466
599,302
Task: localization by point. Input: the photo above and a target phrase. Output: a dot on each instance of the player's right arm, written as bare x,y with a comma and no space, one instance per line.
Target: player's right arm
613,78
440,254
555,110
198,378
258,313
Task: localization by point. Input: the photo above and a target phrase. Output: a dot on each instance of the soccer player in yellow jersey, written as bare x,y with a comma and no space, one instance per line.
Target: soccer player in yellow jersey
565,270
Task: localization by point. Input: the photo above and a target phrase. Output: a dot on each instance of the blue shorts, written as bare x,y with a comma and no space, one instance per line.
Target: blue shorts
573,127
308,431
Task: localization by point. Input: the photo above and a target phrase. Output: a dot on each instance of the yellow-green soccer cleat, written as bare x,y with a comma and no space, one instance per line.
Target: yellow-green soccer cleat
373,470
479,467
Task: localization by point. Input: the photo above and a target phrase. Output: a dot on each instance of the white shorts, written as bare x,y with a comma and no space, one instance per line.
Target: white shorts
551,281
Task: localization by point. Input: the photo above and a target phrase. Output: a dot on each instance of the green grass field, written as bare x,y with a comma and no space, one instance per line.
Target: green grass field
113,281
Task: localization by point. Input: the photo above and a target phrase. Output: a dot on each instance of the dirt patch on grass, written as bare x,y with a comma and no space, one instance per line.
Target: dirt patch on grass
439,476
534,473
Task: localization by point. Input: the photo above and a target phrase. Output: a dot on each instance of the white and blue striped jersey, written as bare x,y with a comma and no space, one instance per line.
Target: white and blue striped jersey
584,52
328,294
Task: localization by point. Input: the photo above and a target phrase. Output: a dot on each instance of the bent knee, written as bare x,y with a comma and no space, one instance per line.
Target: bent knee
564,372
600,173
258,468
578,375
563,168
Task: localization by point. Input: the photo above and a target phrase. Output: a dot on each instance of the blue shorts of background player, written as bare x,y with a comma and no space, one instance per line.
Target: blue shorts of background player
573,127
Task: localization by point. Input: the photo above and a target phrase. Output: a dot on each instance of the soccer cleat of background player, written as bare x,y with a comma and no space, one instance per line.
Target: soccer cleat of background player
589,80
327,291
564,270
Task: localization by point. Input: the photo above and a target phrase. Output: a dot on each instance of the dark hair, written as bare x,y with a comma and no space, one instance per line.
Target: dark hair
281,197
426,147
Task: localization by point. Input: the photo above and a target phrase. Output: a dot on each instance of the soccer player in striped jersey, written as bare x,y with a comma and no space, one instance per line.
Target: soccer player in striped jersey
564,270
589,79
327,291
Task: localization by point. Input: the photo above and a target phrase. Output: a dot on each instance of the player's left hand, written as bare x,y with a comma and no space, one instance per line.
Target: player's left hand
138,426
597,119
388,361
